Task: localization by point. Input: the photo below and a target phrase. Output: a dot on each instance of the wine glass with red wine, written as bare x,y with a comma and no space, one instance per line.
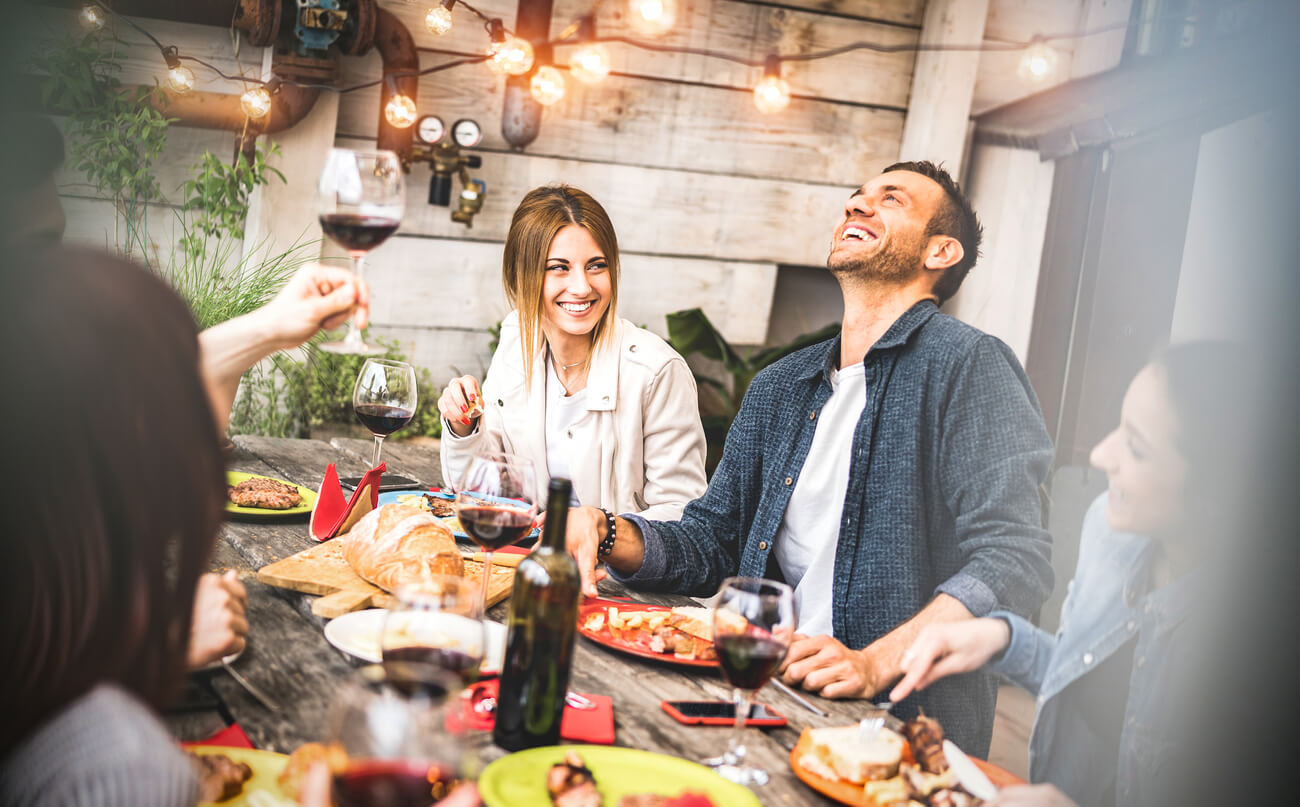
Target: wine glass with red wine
393,744
384,399
360,201
753,623
439,621
496,504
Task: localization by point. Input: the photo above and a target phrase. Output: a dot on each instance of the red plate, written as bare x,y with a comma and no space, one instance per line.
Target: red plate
604,637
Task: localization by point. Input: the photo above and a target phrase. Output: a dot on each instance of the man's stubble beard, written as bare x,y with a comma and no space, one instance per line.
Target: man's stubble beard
898,261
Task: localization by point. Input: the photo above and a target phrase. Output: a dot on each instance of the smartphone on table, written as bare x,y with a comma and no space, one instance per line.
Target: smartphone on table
720,713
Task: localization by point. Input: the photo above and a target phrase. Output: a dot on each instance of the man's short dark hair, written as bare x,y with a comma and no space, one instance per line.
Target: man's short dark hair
955,217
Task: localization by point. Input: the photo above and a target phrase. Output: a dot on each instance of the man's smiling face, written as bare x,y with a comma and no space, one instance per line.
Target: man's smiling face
883,234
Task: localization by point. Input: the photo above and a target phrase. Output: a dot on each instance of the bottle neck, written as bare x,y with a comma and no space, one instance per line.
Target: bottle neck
557,514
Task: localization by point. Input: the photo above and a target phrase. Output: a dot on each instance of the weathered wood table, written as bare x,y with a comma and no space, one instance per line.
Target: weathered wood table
289,659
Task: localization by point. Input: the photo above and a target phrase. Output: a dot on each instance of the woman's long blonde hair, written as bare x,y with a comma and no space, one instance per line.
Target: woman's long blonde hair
539,218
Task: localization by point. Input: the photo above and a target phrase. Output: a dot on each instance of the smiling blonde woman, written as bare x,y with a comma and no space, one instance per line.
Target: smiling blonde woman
572,387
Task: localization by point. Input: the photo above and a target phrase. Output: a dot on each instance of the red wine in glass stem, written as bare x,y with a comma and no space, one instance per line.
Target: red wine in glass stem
494,527
358,233
390,783
381,419
749,661
453,661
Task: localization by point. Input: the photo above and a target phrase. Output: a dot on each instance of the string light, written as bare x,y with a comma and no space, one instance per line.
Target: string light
92,17
652,17
255,102
1038,63
589,62
179,77
547,85
400,111
508,54
771,94
438,20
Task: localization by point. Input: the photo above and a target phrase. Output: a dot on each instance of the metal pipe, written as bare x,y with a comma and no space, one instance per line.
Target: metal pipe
521,115
397,50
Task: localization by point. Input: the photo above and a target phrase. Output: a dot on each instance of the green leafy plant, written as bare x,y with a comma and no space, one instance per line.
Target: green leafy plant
217,197
691,333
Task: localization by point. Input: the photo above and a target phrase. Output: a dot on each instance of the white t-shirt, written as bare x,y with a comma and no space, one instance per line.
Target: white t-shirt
562,411
810,530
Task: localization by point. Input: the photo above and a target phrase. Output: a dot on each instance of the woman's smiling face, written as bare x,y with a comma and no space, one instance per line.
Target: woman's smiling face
576,289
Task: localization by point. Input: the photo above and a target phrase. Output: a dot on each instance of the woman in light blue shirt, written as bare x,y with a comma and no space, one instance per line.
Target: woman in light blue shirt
1114,683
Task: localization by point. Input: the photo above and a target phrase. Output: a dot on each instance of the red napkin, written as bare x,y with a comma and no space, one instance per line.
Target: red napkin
231,736
332,515
512,550
595,726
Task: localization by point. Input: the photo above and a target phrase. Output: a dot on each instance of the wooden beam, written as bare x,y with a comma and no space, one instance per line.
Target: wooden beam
899,12
943,84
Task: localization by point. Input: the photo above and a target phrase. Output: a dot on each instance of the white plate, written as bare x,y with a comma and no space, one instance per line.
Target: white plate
357,634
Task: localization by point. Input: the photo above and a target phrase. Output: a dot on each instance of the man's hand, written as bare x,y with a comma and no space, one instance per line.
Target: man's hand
1031,796
823,665
949,648
316,297
219,627
583,533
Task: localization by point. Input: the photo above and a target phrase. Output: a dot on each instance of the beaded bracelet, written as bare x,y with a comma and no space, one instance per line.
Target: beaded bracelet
607,543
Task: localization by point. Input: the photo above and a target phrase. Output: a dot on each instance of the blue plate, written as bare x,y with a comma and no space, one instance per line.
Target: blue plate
407,496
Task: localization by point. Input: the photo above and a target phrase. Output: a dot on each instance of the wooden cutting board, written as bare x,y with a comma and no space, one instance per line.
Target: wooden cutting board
323,570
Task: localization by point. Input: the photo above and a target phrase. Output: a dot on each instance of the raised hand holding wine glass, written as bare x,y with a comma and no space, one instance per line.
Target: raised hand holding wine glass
384,399
360,201
753,623
496,504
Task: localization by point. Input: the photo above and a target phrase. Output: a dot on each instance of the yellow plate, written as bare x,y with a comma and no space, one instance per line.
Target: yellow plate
267,767
308,499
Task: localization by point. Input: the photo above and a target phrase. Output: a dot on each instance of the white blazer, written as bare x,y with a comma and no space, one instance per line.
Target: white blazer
644,445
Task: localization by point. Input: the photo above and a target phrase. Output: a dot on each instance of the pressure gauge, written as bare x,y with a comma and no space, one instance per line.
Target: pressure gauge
430,129
466,133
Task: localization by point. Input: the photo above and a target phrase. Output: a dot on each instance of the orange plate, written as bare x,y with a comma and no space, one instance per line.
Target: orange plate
604,637
848,793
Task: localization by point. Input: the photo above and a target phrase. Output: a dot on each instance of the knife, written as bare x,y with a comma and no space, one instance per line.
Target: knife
249,688
969,776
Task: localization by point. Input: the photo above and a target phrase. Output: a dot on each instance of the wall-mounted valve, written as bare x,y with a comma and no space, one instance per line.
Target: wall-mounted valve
445,157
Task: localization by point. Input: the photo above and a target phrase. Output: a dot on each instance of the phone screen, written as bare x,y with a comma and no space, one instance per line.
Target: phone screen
720,709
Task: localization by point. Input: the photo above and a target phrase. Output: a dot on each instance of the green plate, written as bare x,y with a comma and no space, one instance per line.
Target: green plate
267,767
308,499
519,780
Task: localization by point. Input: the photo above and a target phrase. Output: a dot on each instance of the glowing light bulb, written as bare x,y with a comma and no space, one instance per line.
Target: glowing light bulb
1038,63
513,57
547,85
438,20
652,16
92,16
255,102
400,111
590,63
180,78
771,94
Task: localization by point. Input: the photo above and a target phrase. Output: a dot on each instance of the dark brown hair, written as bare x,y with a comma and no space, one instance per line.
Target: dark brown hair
955,217
113,479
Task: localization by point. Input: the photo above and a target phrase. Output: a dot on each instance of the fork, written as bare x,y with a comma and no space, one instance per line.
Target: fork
869,727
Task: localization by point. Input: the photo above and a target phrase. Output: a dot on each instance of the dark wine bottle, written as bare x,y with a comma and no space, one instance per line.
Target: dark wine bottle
541,628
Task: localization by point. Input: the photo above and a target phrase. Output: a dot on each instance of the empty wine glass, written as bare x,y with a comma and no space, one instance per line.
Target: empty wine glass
753,623
384,399
360,201
439,621
496,504
393,744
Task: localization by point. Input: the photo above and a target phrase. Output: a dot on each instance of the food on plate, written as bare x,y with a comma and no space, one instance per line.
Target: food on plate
220,777
571,784
439,506
839,750
883,766
925,735
395,544
267,494
654,800
301,760
686,632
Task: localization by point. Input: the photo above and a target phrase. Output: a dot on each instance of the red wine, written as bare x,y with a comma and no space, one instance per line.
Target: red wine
749,661
385,420
494,527
390,783
453,661
357,233
539,643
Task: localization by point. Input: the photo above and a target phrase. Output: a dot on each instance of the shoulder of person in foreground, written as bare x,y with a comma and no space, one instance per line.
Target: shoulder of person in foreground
106,747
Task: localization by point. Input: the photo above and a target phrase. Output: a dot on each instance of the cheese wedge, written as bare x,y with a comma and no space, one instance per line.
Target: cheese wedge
854,760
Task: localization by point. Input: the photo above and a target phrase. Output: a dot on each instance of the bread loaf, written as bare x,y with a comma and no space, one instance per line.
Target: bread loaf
842,750
397,544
